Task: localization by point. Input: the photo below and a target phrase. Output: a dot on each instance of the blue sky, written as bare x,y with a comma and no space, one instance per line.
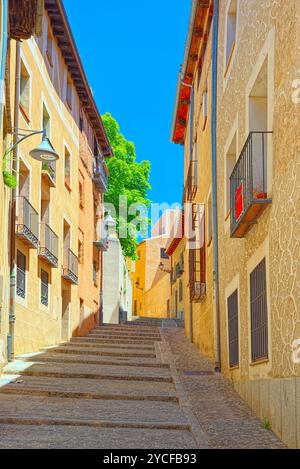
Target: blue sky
131,51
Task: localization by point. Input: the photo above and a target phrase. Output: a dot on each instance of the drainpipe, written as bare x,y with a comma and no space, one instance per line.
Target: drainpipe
214,186
3,54
12,318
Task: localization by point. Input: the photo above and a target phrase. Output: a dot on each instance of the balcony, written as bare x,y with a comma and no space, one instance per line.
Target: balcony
248,185
101,245
27,226
100,177
179,270
191,184
197,256
173,277
70,267
48,250
49,173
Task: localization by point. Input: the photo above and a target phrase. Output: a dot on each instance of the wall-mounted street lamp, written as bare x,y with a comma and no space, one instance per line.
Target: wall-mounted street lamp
44,152
137,286
162,268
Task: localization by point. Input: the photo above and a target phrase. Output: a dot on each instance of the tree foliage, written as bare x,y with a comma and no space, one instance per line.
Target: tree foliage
129,178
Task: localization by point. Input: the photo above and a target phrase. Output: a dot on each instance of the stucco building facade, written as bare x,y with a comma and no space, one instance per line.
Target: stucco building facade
258,206
51,93
192,129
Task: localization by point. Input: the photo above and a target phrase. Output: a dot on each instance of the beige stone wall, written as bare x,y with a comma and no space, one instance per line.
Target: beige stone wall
265,29
176,258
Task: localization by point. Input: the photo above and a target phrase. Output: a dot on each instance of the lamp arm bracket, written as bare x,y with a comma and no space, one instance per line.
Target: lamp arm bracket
25,137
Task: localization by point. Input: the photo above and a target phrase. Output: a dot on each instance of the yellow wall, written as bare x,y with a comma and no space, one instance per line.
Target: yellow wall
37,326
202,311
176,259
155,290
89,211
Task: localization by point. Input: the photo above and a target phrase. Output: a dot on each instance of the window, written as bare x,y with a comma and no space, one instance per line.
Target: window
44,288
233,329
21,275
180,291
230,162
81,194
231,30
80,252
81,124
209,220
259,313
163,254
25,91
80,247
49,49
95,273
46,121
67,169
96,148
69,93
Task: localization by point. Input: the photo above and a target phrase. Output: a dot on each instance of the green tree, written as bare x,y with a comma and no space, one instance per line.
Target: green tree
129,178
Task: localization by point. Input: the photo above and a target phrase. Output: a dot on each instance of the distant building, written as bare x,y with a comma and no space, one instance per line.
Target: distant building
117,286
151,279
175,249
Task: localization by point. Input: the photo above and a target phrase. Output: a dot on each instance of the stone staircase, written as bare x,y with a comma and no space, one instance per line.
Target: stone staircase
111,389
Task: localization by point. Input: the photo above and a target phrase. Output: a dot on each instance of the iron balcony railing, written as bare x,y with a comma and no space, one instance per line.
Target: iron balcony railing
48,245
248,184
179,270
27,226
70,267
100,177
197,255
191,183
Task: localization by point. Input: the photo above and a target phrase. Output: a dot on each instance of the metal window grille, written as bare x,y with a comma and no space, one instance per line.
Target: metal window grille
259,313
44,288
233,329
21,275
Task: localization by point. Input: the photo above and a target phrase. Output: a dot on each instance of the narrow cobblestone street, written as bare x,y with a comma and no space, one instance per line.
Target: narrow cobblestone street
130,386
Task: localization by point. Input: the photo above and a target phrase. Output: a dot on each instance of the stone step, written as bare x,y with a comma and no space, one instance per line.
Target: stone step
113,351
104,359
92,360
93,349
108,344
121,340
75,370
62,437
112,335
133,390
87,412
130,329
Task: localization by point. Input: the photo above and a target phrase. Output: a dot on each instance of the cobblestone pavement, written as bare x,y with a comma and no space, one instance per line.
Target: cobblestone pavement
123,387
225,418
